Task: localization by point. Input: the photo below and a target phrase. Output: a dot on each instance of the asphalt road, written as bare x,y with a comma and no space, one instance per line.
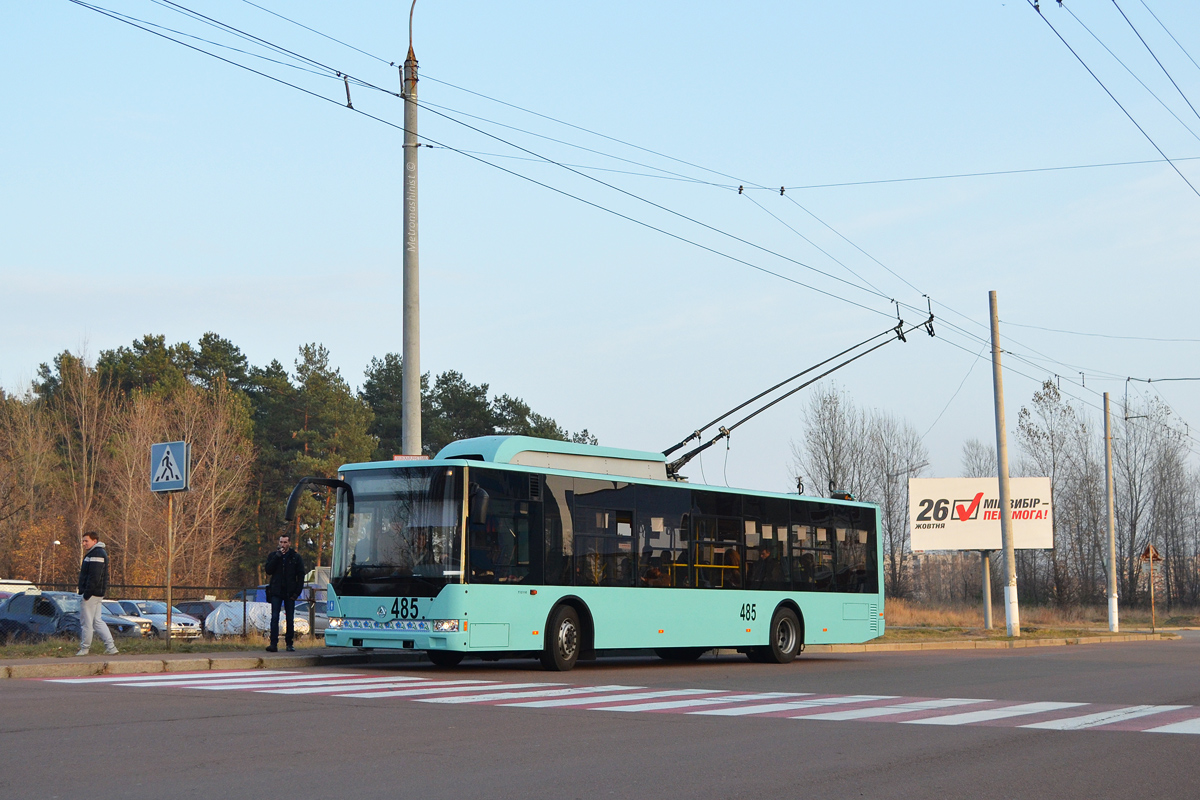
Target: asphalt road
864,730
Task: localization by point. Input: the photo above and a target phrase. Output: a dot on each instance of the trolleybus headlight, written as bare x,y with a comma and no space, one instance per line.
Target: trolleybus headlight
445,625
335,622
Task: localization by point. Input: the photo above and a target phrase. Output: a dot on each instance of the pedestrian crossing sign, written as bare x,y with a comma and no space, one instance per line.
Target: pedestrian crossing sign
169,466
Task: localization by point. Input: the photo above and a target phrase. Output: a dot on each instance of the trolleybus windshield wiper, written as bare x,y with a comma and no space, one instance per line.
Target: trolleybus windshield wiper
894,333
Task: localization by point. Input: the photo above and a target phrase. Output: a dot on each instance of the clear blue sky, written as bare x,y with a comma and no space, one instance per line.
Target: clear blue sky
151,189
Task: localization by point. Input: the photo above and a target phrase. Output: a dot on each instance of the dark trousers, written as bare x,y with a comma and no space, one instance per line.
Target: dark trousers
289,609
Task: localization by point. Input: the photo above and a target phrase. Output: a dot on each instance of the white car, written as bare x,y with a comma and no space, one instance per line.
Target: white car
227,619
183,626
145,625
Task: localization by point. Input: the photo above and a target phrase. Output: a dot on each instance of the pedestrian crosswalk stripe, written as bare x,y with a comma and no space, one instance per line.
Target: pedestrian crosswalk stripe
771,708
494,696
887,711
799,706
693,702
1101,718
169,676
448,686
329,687
217,683
1187,726
969,717
583,701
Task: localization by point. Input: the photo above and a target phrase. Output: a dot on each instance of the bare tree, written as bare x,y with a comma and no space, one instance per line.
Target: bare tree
1134,443
896,454
83,414
978,459
1046,433
834,450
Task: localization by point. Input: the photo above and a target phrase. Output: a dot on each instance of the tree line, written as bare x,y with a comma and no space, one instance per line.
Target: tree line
74,453
872,454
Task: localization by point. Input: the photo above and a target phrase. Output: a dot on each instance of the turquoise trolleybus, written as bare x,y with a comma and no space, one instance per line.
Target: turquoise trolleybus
506,546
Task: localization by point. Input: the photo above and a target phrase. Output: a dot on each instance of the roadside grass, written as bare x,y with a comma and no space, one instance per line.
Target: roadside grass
59,647
910,621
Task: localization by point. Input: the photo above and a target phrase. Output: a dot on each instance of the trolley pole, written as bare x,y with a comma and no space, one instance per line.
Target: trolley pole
1012,614
410,381
1113,623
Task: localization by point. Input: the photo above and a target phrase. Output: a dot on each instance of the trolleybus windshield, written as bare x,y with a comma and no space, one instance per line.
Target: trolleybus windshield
405,537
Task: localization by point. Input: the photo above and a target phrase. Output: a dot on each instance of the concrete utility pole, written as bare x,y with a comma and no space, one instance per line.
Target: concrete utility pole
1012,614
410,387
985,563
1113,624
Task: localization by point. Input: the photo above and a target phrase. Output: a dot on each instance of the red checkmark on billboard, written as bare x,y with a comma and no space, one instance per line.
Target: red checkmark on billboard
965,513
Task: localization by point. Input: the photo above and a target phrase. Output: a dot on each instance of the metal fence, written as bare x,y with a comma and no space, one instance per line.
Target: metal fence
147,591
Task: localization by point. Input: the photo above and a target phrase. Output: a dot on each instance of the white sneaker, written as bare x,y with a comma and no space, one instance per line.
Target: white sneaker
83,651
111,651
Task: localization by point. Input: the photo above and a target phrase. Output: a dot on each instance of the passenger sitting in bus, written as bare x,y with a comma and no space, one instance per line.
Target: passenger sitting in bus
654,577
766,573
624,575
806,579
732,578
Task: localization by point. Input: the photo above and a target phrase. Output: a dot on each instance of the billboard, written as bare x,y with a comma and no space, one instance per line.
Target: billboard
964,513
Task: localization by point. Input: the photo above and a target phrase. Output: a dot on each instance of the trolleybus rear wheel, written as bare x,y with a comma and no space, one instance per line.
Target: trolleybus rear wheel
563,639
445,658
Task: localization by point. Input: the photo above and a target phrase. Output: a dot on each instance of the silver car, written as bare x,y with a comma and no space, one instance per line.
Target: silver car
183,626
115,609
320,619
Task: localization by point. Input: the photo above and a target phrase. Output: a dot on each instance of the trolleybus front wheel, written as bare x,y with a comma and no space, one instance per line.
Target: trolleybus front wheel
445,658
784,639
563,639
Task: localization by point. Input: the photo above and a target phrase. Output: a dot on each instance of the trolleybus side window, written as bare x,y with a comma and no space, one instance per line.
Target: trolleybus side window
767,550
557,494
504,529
663,532
604,542
718,552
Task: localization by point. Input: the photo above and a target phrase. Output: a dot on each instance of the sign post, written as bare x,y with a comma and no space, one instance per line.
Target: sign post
1151,554
170,471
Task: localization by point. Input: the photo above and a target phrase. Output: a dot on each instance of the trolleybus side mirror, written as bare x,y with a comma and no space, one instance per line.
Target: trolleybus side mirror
294,498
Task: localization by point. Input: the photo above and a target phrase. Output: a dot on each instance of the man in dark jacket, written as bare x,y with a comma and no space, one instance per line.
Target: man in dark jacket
286,568
93,585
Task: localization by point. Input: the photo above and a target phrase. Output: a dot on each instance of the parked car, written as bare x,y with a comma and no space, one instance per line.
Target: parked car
35,615
145,626
183,626
226,620
200,609
320,618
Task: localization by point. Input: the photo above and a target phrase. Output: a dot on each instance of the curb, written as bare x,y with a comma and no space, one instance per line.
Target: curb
80,668
988,644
